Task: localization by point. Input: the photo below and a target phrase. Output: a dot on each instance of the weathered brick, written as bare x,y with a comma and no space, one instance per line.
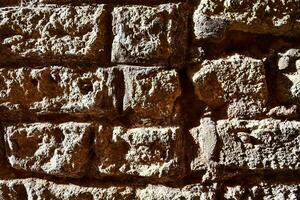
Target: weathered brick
153,152
149,35
56,34
204,139
55,149
58,89
37,189
237,82
287,85
193,191
263,191
144,89
212,17
284,112
259,144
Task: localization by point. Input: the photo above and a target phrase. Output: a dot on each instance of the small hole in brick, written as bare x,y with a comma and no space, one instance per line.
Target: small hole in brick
85,86
34,82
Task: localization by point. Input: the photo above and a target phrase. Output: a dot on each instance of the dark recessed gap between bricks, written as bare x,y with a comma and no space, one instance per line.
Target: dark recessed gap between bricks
271,73
119,88
252,177
191,110
3,158
92,155
249,44
108,34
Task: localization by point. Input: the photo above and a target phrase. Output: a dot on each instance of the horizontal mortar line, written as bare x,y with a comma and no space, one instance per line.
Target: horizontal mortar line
29,61
254,178
124,180
108,2
160,65
38,65
138,182
275,175
83,118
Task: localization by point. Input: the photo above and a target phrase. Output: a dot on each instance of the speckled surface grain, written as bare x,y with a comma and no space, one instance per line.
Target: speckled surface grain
163,100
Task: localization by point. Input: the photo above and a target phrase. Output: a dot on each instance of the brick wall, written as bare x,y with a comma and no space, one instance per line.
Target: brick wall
132,99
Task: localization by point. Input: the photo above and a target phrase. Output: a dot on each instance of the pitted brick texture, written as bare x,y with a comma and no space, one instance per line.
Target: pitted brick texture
156,99
153,152
53,33
60,150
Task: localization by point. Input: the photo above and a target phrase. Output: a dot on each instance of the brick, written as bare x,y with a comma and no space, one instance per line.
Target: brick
236,82
43,189
204,148
37,189
57,89
263,191
211,18
149,34
55,34
287,84
192,191
264,144
55,149
206,27
144,89
153,152
284,112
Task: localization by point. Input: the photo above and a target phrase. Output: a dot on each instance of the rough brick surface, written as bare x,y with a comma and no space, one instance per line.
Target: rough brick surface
237,81
60,150
57,89
160,32
53,33
144,88
260,144
258,16
148,152
155,99
288,78
205,140
263,191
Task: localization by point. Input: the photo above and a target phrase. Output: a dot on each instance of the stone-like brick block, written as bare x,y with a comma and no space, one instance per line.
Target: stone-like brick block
149,34
287,85
259,144
36,189
204,147
153,152
55,34
58,89
33,188
54,149
193,191
212,17
150,92
263,191
237,82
